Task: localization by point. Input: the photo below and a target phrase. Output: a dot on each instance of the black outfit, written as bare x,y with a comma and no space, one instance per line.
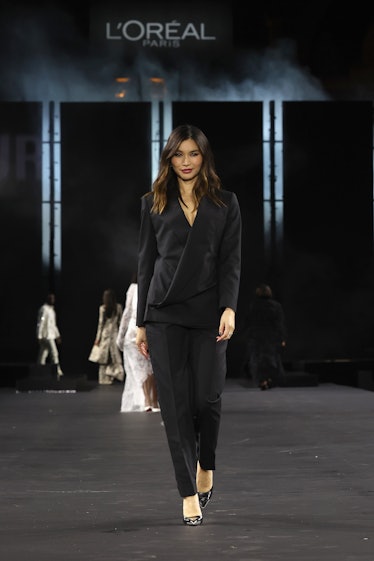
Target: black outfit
265,332
187,276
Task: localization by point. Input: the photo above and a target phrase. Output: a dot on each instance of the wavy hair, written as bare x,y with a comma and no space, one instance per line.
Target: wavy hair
110,302
208,182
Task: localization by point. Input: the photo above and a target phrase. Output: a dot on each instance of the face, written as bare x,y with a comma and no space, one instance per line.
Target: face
187,160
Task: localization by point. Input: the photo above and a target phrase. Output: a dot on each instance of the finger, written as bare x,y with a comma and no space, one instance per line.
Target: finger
144,349
223,337
141,350
227,335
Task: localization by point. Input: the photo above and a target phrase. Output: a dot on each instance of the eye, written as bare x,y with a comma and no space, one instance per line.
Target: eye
195,153
177,154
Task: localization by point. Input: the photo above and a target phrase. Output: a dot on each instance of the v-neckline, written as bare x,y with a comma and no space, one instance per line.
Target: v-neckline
185,214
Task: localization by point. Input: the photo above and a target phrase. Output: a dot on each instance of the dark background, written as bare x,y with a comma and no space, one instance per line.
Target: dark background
314,60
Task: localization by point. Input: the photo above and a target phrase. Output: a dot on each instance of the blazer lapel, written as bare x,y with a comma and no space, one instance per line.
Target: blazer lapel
191,261
175,216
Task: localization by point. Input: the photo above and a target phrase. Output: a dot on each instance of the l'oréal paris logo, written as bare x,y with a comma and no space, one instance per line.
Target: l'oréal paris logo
163,27
157,34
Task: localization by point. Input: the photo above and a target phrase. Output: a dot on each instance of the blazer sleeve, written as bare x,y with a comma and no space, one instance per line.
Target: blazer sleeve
229,262
56,329
282,323
146,258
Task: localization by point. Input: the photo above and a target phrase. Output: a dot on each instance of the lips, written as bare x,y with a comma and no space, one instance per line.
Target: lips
188,170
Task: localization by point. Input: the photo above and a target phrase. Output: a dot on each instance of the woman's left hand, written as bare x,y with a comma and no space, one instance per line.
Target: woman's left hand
226,325
141,341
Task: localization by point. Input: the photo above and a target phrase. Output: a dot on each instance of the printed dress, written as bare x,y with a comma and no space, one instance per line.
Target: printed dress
110,364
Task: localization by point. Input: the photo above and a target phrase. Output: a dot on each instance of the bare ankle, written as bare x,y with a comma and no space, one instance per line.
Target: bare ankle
204,479
191,506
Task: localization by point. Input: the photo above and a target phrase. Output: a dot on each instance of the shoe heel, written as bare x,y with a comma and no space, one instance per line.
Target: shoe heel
204,498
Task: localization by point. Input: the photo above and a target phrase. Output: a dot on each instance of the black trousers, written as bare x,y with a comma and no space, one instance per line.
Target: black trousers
190,371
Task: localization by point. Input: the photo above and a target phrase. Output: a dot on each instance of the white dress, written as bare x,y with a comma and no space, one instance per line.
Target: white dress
137,367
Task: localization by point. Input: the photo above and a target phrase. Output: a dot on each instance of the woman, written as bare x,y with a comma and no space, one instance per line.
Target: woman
110,360
188,283
139,392
48,334
266,338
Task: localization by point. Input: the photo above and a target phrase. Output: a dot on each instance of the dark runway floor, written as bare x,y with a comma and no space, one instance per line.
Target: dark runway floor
82,481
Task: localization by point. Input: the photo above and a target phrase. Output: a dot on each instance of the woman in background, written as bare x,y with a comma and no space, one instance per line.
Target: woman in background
110,361
266,338
139,392
48,334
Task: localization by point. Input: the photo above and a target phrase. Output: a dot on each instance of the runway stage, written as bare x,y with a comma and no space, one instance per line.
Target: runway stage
82,481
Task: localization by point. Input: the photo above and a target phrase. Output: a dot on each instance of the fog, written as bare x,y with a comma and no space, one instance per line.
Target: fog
46,57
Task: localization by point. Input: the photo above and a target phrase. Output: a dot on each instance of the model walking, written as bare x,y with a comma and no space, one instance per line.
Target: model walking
188,283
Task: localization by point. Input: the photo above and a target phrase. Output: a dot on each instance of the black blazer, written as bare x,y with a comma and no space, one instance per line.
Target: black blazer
187,273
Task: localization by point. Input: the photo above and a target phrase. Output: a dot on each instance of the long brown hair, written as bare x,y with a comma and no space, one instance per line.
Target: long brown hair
110,302
208,182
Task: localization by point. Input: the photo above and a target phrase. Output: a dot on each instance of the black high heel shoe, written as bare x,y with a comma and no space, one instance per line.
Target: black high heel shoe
192,520
204,498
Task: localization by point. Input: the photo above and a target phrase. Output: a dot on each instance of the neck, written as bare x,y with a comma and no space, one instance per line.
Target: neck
186,188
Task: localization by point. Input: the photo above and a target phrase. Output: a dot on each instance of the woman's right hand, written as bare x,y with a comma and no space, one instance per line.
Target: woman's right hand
141,341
